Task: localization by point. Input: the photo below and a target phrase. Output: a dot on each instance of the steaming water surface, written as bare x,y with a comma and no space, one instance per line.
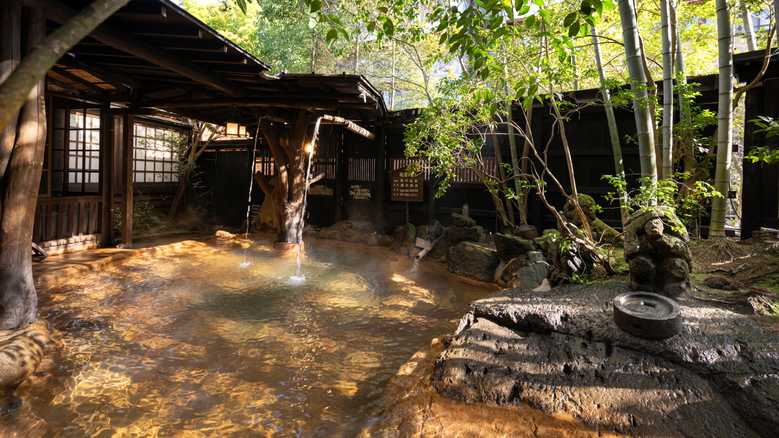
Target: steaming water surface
216,342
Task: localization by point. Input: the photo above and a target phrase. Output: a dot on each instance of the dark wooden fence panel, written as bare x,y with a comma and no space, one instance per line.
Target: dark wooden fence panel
760,197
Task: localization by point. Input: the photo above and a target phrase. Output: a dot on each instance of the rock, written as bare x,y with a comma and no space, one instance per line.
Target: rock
459,220
526,231
441,249
657,251
457,234
506,271
560,351
373,240
600,230
222,234
351,231
535,257
324,233
472,261
546,240
423,232
20,353
410,408
723,283
404,238
511,247
385,240
531,276
436,230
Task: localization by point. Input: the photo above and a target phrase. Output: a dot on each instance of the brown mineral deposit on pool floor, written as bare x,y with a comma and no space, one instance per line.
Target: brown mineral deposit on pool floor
412,409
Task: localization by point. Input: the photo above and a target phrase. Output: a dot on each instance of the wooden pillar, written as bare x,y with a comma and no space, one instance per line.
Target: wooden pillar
127,179
341,175
381,176
107,178
432,210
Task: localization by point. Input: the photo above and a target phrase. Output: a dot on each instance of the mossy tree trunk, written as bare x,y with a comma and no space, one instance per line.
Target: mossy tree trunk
288,194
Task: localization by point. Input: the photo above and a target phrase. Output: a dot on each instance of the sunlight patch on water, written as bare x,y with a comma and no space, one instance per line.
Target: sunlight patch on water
198,343
293,280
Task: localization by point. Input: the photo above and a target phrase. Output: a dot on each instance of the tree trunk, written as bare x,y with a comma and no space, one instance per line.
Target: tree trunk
288,194
749,32
15,89
616,146
724,121
10,33
668,86
641,107
19,194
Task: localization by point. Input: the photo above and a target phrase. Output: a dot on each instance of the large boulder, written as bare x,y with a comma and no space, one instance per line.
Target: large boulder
600,230
460,220
561,352
403,238
511,247
473,261
457,234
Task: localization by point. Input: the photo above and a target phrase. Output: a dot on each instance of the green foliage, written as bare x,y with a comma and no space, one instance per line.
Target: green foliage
144,217
766,154
690,208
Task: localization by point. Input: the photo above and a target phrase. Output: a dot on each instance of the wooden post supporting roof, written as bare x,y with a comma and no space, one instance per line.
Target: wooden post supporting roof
127,179
107,178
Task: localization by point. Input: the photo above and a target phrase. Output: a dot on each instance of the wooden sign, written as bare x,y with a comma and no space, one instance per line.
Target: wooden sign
406,187
360,192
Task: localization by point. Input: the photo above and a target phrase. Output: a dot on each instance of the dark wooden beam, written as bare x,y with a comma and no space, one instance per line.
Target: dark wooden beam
91,86
311,104
67,87
118,80
134,9
167,30
204,45
282,101
60,13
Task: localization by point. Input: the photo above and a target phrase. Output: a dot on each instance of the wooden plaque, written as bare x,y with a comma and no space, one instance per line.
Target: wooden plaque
405,187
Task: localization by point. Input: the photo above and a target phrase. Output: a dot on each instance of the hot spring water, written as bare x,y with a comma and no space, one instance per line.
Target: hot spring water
211,342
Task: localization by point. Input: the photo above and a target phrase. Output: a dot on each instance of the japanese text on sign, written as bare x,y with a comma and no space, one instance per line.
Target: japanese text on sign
406,187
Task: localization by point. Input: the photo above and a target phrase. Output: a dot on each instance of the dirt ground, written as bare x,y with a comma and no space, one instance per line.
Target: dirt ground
754,263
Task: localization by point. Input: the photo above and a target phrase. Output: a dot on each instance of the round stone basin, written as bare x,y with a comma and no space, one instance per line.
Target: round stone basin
647,315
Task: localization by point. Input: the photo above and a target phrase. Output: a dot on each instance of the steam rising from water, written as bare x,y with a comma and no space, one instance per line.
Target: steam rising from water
218,342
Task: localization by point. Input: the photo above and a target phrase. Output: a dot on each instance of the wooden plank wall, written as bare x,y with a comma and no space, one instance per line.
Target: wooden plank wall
760,189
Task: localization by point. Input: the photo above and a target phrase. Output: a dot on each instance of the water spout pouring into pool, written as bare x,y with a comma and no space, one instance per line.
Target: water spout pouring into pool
310,150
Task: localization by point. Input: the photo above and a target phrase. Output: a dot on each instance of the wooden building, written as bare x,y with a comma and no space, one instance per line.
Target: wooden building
152,68
760,185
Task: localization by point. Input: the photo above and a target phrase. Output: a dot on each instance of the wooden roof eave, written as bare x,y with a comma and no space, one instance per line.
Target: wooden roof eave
60,13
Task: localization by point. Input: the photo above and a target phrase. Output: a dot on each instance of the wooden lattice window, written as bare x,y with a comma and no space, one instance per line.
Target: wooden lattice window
156,157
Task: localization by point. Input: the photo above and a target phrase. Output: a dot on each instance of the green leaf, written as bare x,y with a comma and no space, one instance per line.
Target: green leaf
573,30
586,8
331,37
241,5
530,21
315,6
524,10
569,19
389,28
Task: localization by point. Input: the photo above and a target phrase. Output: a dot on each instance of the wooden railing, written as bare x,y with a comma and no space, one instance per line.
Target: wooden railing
67,218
